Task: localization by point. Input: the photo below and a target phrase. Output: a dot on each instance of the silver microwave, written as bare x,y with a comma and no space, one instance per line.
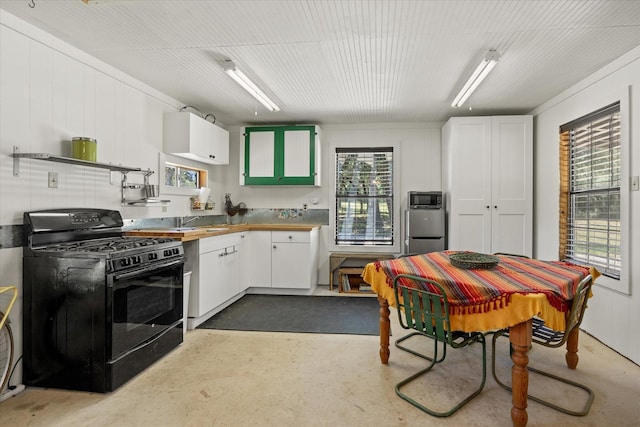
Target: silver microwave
424,199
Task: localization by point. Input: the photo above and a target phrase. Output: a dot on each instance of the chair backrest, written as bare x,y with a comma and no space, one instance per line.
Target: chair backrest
423,307
550,338
579,304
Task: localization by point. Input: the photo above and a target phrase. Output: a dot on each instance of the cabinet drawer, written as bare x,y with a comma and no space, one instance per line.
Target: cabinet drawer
290,236
214,243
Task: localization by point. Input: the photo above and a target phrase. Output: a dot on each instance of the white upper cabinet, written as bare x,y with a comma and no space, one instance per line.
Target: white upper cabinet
488,183
192,137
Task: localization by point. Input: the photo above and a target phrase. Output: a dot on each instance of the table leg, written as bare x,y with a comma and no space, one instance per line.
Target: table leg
572,349
384,329
520,337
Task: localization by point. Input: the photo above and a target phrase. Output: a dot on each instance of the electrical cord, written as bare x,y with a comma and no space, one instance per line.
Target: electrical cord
191,106
15,365
206,117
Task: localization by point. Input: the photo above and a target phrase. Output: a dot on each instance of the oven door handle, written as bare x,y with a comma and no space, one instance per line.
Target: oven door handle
145,270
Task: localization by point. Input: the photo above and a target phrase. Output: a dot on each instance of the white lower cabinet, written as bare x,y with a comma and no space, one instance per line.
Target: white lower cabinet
215,279
224,267
292,259
260,259
284,259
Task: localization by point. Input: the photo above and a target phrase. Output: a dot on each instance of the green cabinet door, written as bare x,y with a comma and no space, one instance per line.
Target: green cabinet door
280,155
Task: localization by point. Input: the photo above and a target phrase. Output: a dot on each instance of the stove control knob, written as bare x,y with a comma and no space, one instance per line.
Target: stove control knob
153,256
135,259
176,251
167,252
124,262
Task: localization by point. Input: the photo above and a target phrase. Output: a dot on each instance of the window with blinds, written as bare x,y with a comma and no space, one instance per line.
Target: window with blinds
364,196
590,221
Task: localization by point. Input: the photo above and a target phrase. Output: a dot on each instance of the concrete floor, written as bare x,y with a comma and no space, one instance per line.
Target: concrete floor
231,378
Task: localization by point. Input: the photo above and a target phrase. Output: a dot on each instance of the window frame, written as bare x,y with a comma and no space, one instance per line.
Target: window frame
623,284
201,175
165,159
588,234
395,248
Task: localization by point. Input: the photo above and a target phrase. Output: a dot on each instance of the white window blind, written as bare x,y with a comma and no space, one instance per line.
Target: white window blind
364,196
594,191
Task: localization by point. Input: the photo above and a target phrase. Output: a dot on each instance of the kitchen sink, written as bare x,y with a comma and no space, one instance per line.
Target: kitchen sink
169,229
217,229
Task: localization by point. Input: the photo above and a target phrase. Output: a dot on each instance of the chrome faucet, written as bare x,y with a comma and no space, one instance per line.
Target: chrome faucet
182,222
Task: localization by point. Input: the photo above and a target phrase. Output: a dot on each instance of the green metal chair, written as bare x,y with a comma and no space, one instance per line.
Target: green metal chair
550,338
427,313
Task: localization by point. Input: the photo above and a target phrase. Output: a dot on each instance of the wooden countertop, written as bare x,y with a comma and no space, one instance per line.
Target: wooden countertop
215,230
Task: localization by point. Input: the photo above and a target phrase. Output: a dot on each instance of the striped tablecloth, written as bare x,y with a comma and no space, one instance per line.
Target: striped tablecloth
514,291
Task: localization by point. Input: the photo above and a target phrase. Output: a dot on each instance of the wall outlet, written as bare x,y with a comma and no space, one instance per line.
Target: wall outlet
53,179
304,207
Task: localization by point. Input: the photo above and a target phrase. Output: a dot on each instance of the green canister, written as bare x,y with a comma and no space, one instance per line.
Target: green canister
85,148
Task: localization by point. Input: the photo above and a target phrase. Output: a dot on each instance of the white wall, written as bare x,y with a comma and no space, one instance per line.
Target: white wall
613,317
51,92
419,168
417,162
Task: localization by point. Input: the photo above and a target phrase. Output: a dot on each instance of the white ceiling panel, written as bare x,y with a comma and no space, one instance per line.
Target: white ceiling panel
345,61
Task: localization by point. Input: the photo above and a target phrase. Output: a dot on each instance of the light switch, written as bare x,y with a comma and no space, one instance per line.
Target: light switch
53,179
635,183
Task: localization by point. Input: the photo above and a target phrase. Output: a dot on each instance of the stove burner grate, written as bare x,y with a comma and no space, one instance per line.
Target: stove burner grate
108,245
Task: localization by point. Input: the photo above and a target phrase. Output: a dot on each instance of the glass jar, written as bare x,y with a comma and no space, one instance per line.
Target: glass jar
84,148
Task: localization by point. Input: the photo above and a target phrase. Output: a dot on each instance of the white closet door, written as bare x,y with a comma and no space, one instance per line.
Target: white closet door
471,180
512,189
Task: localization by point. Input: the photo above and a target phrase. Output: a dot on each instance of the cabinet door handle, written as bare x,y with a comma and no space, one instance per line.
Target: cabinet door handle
274,246
290,237
495,206
211,156
488,207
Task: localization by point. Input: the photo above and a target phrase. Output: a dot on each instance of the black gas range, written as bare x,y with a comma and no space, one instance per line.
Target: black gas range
99,307
120,253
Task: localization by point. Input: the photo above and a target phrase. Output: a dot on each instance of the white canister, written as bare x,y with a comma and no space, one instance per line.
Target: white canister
203,195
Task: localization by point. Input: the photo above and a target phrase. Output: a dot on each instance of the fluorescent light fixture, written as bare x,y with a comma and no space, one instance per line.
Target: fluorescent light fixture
476,78
240,78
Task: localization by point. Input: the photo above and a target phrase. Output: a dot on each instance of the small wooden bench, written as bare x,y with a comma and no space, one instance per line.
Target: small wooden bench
353,260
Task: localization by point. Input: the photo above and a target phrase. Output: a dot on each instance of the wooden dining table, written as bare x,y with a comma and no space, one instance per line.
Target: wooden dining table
506,296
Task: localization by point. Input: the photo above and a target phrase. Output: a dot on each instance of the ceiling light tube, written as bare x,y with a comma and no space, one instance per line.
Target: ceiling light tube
249,86
476,78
